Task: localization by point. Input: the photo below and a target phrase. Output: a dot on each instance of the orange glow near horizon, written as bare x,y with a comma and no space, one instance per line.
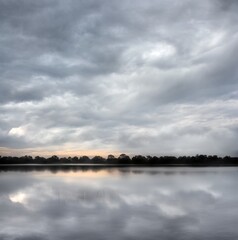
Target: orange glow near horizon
102,173
60,153
86,174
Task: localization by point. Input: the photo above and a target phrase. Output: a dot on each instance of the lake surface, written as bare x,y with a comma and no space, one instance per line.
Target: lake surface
119,203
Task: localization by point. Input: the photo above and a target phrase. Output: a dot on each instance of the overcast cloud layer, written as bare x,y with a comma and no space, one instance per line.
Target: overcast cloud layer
97,77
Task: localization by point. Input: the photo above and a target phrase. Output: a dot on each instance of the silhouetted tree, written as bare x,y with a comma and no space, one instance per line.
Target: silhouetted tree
75,160
53,159
197,160
124,159
39,160
138,159
111,159
98,159
84,159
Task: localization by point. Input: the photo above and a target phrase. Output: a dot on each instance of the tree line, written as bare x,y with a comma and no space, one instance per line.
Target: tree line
198,160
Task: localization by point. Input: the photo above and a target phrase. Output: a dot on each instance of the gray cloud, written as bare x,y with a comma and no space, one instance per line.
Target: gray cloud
156,77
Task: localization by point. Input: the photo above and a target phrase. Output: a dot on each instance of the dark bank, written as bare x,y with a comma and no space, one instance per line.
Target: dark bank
123,160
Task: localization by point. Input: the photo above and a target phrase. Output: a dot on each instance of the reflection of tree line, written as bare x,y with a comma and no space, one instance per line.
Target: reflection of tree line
123,159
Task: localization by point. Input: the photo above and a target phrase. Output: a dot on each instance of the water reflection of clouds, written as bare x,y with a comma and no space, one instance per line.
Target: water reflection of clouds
192,205
18,198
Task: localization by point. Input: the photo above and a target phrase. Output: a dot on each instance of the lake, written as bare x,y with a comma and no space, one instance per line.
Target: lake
119,203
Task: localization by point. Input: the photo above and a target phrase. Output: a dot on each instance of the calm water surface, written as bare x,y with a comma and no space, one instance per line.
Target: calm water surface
119,203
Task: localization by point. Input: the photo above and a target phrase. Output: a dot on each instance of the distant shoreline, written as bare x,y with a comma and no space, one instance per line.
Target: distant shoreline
122,160
114,165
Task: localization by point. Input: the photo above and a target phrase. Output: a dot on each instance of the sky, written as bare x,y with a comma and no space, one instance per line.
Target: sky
89,77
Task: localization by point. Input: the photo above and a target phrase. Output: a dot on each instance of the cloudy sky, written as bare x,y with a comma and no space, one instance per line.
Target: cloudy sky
97,77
